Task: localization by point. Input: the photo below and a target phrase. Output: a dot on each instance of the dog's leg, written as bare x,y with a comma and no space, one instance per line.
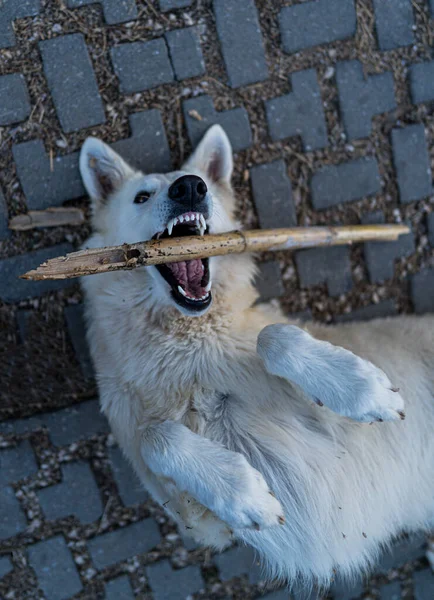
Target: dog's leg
330,375
221,480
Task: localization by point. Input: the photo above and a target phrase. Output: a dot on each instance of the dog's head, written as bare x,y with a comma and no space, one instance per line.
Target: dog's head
129,207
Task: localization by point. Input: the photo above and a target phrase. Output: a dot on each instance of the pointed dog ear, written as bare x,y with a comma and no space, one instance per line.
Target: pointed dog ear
103,171
213,156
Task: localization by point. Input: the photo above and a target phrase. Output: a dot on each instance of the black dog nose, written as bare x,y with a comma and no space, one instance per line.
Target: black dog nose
189,190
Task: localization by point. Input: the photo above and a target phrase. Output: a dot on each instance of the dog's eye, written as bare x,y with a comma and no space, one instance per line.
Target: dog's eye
142,197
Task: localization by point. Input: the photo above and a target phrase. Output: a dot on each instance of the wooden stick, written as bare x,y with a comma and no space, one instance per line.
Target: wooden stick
168,250
51,217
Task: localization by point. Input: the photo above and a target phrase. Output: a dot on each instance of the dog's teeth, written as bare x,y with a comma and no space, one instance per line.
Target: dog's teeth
181,291
181,219
208,287
203,222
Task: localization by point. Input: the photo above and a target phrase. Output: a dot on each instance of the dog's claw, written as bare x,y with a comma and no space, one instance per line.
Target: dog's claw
394,389
401,414
380,420
272,493
281,520
318,401
256,526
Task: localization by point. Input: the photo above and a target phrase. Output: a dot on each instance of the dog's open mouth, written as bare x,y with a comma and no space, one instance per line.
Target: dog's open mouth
190,279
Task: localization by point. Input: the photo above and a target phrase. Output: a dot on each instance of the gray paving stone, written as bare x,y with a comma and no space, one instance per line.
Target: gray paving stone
55,569
75,423
394,21
422,291
11,10
241,41
5,566
272,194
170,584
74,317
17,463
238,562
303,315
431,228
325,265
19,426
65,426
422,82
12,518
387,308
373,218
185,52
269,281
13,289
381,256
76,495
72,82
300,112
188,542
346,182
4,231
166,5
314,23
361,98
115,11
22,319
401,553
341,590
412,163
277,595
128,484
14,99
391,591
117,546
303,591
44,186
142,65
147,148
423,582
119,589
235,122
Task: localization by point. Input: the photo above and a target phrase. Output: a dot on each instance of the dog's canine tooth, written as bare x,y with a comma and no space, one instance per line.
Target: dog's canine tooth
181,291
208,287
170,226
203,222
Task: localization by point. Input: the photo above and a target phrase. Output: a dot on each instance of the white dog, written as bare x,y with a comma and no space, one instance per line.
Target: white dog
289,439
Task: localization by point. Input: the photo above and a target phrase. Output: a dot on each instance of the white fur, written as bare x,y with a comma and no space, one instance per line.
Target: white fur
330,375
200,414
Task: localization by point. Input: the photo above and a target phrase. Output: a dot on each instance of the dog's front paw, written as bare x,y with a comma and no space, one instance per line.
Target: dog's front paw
330,375
250,503
377,399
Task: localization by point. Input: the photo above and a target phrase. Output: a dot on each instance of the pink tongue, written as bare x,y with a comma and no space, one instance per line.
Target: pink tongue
189,275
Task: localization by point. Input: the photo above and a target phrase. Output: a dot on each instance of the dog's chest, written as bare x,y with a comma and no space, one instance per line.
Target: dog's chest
204,410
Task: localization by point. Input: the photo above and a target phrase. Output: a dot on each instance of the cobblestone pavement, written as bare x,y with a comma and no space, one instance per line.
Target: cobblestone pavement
329,107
